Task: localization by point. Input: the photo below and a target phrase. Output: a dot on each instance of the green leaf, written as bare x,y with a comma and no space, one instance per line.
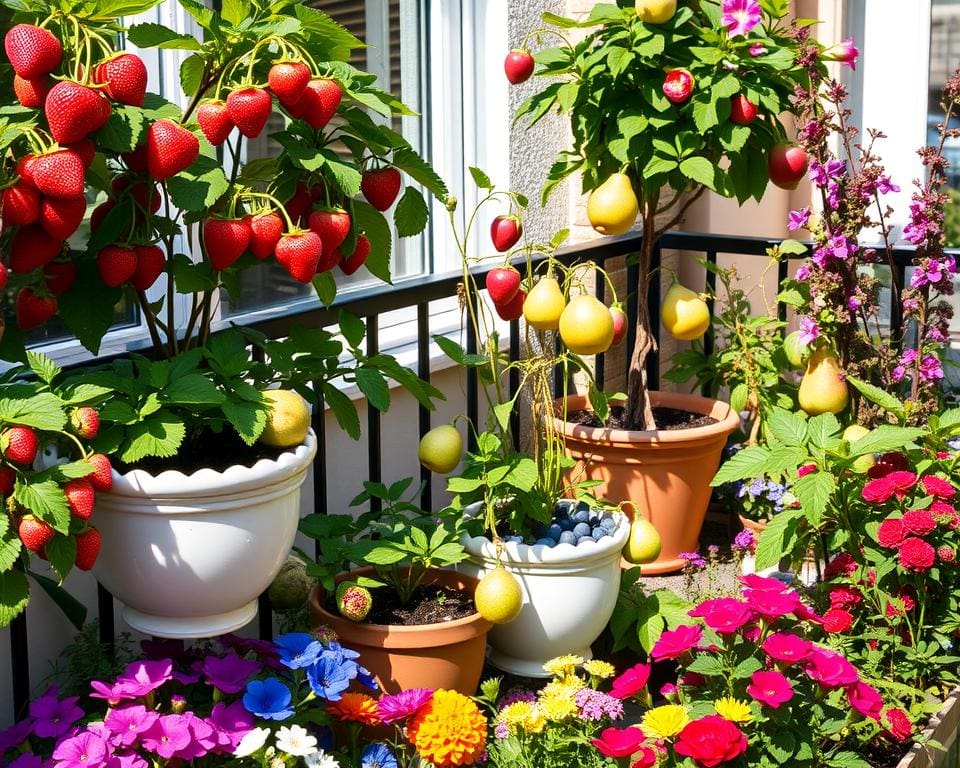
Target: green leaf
123,130
61,552
352,328
73,609
159,36
326,287
45,368
199,186
793,248
787,427
14,596
885,438
707,665
777,539
191,73
411,214
480,178
370,221
747,464
822,430
457,353
419,170
879,396
46,500
783,458
248,419
814,491
194,389
235,11
10,544
161,435
700,170
42,411
374,386
343,410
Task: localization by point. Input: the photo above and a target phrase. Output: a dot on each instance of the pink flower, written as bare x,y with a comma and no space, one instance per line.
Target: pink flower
844,597
52,716
770,688
806,469
787,648
231,723
916,555
919,522
85,750
763,583
842,565
740,16
891,533
757,50
830,669
396,707
771,605
711,741
724,615
896,724
937,486
674,643
865,699
836,621
619,742
845,52
631,682
127,723
167,736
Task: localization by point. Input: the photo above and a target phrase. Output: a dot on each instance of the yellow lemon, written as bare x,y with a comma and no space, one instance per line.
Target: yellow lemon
685,315
498,596
644,543
441,448
656,11
288,419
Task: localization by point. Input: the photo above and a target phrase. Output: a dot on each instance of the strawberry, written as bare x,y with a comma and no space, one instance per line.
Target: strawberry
31,92
518,65
85,422
249,108
116,264
353,262
288,80
502,284
215,121
7,480
25,170
61,217
33,309
125,76
171,148
320,102
381,186
619,323
265,232
100,213
85,150
80,495
511,310
298,205
74,110
332,225
742,110
60,275
57,174
299,255
136,159
102,477
150,265
328,260
20,445
20,204
88,549
505,231
225,240
35,534
31,248
32,51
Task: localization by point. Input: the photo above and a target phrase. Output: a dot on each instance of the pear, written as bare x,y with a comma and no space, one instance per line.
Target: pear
684,314
796,351
612,207
644,543
656,11
544,305
498,596
823,388
441,449
853,433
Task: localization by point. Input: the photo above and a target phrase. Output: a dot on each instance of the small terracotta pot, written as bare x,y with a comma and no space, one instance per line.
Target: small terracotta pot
665,474
755,527
448,655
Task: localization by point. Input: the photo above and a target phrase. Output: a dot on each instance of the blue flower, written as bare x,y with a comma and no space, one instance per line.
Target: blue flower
364,677
328,678
298,649
377,756
269,699
340,653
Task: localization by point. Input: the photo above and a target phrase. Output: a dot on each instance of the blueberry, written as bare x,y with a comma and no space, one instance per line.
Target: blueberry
567,537
583,506
608,524
594,521
515,539
546,542
584,538
554,532
581,529
560,511
567,524
580,516
599,533
541,531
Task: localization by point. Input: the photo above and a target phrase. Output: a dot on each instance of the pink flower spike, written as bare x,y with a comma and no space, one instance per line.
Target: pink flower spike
770,688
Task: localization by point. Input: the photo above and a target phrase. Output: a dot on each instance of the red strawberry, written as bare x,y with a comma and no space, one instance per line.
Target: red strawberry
4,274
215,121
511,310
381,186
33,310
320,102
80,496
21,205
249,108
299,254
328,260
35,534
102,477
225,240
136,159
116,264
332,225
31,93
288,80
100,213
678,85
60,275
61,217
298,205
24,170
32,51
31,248
7,480
502,284
518,65
505,231
57,174
74,110
85,422
20,445
171,148
353,262
88,549
85,150
150,265
125,76
265,232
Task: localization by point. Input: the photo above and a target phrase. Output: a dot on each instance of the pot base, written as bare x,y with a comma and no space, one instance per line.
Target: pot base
526,667
657,567
186,628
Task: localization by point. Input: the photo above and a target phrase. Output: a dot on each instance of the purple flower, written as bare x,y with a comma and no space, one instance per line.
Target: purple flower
740,16
168,735
803,272
265,650
694,560
127,760
757,50
138,679
125,724
931,368
54,717
501,730
231,723
885,186
845,52
16,734
392,708
798,219
515,695
85,750
26,760
596,705
743,541
203,737
809,331
230,673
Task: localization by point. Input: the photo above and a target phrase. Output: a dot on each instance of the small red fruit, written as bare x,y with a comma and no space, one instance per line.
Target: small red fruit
35,534
88,549
171,148
32,51
116,265
7,480
21,205
61,217
80,496
102,476
150,265
518,65
742,110
57,174
787,164
678,85
20,445
619,324
249,108
298,205
59,276
319,102
125,76
332,225
265,232
74,110
353,262
503,283
381,186
505,231
31,248
33,310
85,422
225,240
288,80
31,93
136,159
299,255
85,150
513,309
215,121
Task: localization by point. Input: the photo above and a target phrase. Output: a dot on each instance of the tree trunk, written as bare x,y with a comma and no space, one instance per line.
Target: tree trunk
639,410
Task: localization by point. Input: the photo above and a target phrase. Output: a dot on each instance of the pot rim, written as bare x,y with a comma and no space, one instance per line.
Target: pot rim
727,421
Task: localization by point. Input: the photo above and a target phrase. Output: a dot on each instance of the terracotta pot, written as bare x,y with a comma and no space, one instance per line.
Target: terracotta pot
756,527
665,474
448,655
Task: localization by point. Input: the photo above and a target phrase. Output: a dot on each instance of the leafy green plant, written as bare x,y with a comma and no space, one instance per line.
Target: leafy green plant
641,616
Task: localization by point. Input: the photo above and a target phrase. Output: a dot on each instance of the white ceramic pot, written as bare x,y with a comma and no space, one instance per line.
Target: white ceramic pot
188,555
569,593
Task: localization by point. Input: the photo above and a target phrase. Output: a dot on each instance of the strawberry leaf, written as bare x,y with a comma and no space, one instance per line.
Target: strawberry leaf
61,552
369,220
199,186
411,213
159,36
160,435
14,596
46,500
248,419
10,544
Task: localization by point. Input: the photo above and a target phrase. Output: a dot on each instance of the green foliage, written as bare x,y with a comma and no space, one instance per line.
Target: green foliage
641,616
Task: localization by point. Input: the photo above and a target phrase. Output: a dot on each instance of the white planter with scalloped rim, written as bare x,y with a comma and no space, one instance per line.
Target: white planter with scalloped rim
569,593
188,555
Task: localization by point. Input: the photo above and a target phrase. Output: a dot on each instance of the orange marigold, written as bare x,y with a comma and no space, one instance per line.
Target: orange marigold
355,707
450,731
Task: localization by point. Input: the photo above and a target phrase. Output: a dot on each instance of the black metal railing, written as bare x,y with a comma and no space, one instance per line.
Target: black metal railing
370,303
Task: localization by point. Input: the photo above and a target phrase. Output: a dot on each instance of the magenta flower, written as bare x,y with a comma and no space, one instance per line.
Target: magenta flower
865,699
845,52
204,737
787,648
127,760
740,16
830,669
619,742
763,583
798,219
230,673
809,331
85,750
125,724
757,50
168,735
26,760
396,707
16,734
231,722
803,272
631,682
771,605
138,679
770,688
724,615
52,716
676,642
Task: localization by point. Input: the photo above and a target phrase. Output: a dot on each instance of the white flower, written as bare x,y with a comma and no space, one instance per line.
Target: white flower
251,742
321,760
296,741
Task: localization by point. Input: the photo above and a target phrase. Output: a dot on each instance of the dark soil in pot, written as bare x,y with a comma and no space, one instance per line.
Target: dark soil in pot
207,450
430,604
666,419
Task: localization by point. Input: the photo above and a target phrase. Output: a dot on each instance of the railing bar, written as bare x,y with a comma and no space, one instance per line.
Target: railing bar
711,288
423,371
653,302
374,456
559,384
514,381
264,617
319,422
108,630
20,663
600,289
782,272
473,393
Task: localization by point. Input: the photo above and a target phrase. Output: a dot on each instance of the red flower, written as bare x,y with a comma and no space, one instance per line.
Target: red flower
830,669
787,648
896,724
919,522
844,597
842,565
916,555
711,741
946,554
891,533
944,513
836,621
647,758
937,486
771,605
674,643
900,605
631,682
724,615
763,583
770,688
619,742
693,680
887,463
865,699
806,469
883,488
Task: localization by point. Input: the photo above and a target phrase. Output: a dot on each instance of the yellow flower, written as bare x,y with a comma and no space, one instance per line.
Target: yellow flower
563,666
666,721
734,710
563,687
600,669
449,731
557,708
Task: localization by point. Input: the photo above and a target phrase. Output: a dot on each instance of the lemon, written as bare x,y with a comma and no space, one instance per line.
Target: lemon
685,315
440,449
288,419
644,543
498,596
